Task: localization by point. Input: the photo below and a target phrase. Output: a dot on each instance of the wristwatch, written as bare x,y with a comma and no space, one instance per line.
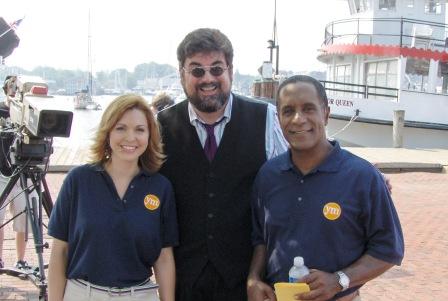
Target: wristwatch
344,281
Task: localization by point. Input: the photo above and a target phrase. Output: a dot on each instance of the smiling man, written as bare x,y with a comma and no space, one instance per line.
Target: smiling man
215,142
322,203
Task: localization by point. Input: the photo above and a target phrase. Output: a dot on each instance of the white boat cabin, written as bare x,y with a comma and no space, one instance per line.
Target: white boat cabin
401,45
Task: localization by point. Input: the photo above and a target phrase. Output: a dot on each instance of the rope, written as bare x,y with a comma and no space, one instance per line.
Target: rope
353,118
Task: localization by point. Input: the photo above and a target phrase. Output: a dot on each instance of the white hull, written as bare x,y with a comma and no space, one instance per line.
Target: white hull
380,135
87,106
419,107
83,101
425,116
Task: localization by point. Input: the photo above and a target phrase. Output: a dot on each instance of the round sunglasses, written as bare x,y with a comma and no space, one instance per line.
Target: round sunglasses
199,72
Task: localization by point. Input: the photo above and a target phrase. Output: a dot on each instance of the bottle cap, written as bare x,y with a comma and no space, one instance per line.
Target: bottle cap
298,261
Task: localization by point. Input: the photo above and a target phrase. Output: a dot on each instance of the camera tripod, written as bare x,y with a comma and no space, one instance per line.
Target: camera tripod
33,210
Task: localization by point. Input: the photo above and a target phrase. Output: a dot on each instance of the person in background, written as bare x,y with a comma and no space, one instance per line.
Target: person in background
215,142
16,197
115,219
322,203
161,101
17,204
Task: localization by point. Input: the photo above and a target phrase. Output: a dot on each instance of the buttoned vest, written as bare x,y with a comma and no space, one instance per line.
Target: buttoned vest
213,198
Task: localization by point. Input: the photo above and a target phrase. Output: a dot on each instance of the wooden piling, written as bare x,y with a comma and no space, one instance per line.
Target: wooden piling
398,126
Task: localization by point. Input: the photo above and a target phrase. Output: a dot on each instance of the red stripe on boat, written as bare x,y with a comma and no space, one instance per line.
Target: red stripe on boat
385,50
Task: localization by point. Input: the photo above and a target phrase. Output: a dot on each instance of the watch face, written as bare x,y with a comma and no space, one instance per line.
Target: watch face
344,281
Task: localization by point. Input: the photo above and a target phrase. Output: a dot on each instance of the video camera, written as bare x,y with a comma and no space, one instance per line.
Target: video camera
35,118
30,120
30,106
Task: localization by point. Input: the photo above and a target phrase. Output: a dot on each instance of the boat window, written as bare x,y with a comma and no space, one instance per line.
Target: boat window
443,78
343,73
362,5
381,74
433,6
330,73
392,74
410,3
416,77
387,4
381,70
342,76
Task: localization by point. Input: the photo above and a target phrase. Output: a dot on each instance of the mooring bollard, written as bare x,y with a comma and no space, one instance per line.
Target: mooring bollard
398,126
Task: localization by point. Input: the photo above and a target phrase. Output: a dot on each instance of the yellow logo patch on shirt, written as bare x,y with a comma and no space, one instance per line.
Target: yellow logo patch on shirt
151,202
332,211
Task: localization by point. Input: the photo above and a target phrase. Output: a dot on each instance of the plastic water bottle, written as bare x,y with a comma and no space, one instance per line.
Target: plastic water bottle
298,270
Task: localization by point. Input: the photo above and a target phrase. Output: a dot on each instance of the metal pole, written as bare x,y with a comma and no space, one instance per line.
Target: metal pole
401,31
357,32
277,59
332,33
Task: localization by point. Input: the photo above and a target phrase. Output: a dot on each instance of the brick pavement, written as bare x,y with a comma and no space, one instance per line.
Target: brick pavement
421,203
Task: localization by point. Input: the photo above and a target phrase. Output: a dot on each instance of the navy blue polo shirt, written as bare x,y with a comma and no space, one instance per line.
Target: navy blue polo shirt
112,241
331,216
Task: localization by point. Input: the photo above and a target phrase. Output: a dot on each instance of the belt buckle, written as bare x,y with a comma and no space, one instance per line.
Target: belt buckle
116,291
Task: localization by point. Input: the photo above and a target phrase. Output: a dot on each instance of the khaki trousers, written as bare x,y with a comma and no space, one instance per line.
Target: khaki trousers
75,291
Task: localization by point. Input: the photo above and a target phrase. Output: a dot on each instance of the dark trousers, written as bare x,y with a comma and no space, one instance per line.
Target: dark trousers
210,286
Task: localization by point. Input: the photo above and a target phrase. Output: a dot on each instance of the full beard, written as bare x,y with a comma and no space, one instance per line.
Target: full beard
208,104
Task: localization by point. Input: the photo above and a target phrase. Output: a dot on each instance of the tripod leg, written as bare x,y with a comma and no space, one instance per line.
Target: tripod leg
46,200
33,207
47,203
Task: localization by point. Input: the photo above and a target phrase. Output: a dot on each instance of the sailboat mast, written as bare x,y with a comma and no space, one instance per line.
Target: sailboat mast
89,58
274,39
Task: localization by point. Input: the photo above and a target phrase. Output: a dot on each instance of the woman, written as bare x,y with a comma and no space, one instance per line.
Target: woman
115,218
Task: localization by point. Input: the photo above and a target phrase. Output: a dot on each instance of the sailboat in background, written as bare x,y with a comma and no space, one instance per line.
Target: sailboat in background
83,99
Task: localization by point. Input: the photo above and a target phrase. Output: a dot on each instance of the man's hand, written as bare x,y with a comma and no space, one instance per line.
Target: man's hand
259,291
323,286
388,183
386,179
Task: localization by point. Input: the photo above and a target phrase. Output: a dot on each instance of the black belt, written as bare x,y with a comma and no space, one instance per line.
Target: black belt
116,290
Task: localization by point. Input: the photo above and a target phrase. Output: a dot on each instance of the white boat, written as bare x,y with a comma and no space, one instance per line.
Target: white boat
83,101
392,55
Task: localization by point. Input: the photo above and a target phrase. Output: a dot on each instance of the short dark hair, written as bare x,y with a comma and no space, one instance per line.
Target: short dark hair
305,79
162,101
204,40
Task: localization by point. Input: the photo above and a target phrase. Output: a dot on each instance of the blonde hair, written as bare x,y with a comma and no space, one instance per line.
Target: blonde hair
153,157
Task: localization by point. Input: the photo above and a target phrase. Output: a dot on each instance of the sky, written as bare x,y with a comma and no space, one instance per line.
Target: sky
127,33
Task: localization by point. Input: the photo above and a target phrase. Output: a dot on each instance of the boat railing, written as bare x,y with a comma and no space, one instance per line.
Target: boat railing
360,91
388,31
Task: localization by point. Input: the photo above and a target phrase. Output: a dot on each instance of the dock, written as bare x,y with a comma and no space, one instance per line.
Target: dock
419,178
386,159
